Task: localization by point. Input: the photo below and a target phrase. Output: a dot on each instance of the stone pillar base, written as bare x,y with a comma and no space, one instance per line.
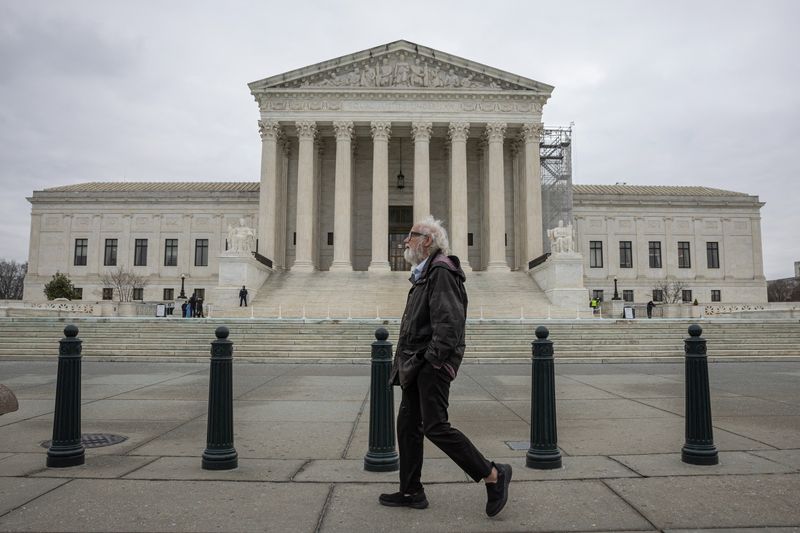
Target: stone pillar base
341,267
235,271
380,267
561,279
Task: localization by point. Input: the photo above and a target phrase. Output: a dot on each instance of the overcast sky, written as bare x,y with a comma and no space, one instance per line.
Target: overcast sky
661,92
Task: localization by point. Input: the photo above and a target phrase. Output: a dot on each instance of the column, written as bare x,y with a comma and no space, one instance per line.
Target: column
125,244
343,201
66,225
421,132
268,194
532,185
380,197
459,131
758,257
33,248
495,132
279,261
306,131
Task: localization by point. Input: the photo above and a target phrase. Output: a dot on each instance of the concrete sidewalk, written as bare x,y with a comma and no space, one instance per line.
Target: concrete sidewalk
302,431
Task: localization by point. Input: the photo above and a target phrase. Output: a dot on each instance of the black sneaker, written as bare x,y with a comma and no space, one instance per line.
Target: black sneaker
398,499
497,493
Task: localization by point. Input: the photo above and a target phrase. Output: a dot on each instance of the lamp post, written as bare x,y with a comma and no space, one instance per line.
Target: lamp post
616,293
401,179
183,294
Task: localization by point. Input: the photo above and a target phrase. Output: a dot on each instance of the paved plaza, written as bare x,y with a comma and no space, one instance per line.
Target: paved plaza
301,432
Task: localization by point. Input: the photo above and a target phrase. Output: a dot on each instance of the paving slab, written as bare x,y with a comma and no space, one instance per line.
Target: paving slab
99,466
296,411
633,436
737,530
319,388
88,391
258,440
730,406
189,468
16,491
634,385
23,464
532,506
593,409
505,387
139,505
352,471
786,457
5,455
714,501
576,467
670,464
777,431
27,409
143,410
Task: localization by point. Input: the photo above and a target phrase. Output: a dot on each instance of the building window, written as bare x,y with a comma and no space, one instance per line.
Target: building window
330,238
137,294
108,293
81,250
712,252
597,295
658,295
506,237
78,293
470,239
201,252
294,238
595,254
200,293
140,253
625,254
716,295
627,295
684,255
655,254
686,296
171,252
110,256
169,294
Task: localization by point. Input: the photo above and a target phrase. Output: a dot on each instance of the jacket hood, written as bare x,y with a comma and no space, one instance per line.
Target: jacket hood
450,262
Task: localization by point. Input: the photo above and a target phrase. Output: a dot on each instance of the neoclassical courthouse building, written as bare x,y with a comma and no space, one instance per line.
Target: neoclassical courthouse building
354,150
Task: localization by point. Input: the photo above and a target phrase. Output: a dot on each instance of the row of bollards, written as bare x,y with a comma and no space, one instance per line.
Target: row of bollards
67,450
543,453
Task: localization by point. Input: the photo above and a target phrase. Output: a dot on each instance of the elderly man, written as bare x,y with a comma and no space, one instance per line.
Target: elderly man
429,353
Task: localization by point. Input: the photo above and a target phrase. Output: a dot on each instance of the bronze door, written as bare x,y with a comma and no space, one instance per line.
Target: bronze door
396,247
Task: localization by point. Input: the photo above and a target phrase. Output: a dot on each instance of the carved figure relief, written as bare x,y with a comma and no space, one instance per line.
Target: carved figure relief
398,70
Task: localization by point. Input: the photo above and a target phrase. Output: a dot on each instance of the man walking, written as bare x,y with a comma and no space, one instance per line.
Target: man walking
429,353
243,296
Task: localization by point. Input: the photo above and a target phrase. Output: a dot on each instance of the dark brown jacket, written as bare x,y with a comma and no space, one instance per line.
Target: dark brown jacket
432,329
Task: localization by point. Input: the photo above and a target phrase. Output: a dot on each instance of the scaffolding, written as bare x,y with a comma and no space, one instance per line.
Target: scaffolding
555,156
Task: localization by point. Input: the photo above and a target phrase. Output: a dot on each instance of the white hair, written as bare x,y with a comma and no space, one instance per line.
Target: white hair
435,228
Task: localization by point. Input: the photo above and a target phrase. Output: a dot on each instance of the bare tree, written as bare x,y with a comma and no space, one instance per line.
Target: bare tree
782,290
12,275
671,289
123,282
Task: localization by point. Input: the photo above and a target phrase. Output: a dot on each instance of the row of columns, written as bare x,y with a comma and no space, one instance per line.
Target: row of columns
458,132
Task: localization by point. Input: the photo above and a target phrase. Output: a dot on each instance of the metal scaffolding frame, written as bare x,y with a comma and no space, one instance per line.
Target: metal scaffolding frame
555,157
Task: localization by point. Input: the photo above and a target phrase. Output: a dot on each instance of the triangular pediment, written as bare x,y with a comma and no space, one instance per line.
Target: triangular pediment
401,65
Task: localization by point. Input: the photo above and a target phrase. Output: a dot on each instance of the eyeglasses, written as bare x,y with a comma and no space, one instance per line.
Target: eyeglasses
412,234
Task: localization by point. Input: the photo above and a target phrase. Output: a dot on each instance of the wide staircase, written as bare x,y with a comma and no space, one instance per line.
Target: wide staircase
342,295
349,340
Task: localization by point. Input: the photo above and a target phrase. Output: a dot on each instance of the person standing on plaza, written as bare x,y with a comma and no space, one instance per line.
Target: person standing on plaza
192,305
243,296
650,306
429,353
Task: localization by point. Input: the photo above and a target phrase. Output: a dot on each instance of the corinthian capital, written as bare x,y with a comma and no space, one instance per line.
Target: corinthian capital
344,130
269,130
459,131
381,130
306,129
421,131
531,132
495,131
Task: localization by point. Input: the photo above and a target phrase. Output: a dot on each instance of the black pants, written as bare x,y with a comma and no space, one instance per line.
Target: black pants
423,413
242,301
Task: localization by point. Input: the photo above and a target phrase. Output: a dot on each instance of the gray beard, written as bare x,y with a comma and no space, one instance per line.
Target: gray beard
412,257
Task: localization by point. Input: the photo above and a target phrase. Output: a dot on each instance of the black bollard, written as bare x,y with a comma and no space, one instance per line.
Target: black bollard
381,456
699,447
220,453
543,453
66,448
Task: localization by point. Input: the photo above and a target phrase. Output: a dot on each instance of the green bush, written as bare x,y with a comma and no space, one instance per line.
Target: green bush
60,287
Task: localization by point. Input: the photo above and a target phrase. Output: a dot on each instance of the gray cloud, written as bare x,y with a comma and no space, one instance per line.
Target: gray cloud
660,92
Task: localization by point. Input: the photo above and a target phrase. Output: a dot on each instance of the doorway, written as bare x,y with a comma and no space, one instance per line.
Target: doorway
400,222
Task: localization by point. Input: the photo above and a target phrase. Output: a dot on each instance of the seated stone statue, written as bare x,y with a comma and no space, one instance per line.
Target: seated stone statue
241,239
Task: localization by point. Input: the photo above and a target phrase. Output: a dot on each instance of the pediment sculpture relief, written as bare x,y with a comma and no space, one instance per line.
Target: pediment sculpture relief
400,71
